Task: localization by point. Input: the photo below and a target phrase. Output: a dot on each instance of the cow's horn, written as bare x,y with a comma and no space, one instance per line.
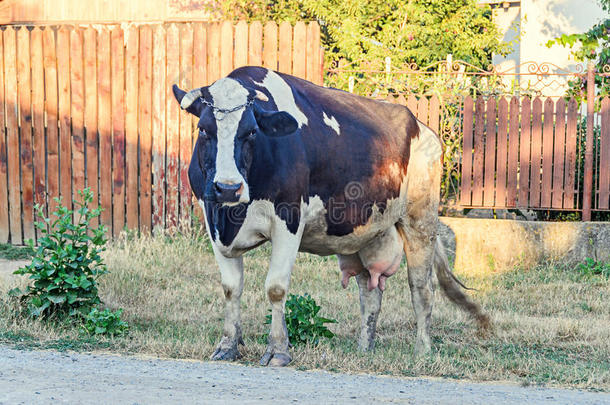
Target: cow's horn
260,96
189,98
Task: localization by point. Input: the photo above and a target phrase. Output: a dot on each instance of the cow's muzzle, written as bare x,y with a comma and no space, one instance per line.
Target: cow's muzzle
227,193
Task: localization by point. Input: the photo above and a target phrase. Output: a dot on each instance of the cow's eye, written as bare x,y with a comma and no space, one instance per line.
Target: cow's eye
203,134
251,134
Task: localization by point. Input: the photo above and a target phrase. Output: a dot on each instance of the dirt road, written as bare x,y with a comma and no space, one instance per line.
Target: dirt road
53,377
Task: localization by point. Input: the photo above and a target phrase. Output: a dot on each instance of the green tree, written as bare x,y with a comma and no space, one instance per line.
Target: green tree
414,31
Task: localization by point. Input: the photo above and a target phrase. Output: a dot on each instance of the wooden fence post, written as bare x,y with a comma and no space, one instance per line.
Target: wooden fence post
588,180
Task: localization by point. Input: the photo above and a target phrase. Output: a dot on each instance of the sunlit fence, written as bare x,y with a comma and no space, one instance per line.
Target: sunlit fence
526,137
93,106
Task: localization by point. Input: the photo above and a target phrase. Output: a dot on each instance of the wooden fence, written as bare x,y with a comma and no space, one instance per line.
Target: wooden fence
524,153
93,107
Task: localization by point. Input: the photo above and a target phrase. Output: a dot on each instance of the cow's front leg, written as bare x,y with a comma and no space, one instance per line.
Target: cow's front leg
285,246
232,279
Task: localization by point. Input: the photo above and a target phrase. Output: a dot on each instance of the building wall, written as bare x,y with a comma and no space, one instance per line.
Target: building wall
534,22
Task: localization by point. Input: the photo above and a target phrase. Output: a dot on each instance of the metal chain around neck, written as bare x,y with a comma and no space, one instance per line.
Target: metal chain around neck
225,111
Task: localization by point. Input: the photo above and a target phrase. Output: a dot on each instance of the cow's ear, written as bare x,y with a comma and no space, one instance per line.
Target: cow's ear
190,101
275,123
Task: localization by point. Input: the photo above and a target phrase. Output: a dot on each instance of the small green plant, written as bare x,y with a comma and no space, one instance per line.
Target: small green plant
592,268
105,322
302,320
66,263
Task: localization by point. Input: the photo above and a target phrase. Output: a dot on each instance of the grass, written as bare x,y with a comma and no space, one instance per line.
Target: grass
551,321
10,252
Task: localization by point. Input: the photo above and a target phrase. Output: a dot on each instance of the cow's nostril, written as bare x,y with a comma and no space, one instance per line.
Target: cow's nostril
228,192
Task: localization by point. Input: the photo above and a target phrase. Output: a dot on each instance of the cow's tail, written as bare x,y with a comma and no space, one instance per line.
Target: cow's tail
452,288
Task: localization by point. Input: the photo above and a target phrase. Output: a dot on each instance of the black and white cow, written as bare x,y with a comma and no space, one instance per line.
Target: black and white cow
323,171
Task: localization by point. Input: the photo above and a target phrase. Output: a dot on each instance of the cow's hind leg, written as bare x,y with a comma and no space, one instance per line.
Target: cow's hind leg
284,250
232,279
419,249
418,228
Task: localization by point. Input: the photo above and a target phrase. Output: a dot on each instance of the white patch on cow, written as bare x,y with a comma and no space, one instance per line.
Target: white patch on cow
425,147
226,94
331,122
282,96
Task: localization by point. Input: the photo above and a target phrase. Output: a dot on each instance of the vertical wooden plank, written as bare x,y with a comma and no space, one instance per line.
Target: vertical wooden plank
255,44
159,89
92,154
145,127
4,211
65,141
131,125
400,100
466,184
285,51
559,154
412,104
200,59
571,150
12,134
422,110
186,126
173,123
525,152
270,46
479,145
318,55
38,117
490,154
604,156
213,52
434,114
226,47
299,55
313,47
513,153
199,77
104,99
24,86
50,81
502,153
547,152
536,153
77,112
118,129
241,44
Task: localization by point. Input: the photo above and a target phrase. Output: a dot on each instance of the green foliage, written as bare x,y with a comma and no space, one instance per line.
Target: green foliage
592,268
417,31
302,320
66,263
105,322
10,252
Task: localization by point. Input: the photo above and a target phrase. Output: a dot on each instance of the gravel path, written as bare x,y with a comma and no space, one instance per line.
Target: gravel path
52,377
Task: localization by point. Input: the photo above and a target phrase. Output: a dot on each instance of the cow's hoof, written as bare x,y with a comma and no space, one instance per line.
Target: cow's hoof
275,359
226,354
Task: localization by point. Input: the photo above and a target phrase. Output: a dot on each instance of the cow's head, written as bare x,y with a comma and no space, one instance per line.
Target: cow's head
230,121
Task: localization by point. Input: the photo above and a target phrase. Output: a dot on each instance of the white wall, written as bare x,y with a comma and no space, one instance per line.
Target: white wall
534,23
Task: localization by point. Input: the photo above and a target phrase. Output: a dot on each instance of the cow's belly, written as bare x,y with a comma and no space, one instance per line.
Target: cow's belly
316,239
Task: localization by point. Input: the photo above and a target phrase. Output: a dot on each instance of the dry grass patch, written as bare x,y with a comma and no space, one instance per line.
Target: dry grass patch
552,323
